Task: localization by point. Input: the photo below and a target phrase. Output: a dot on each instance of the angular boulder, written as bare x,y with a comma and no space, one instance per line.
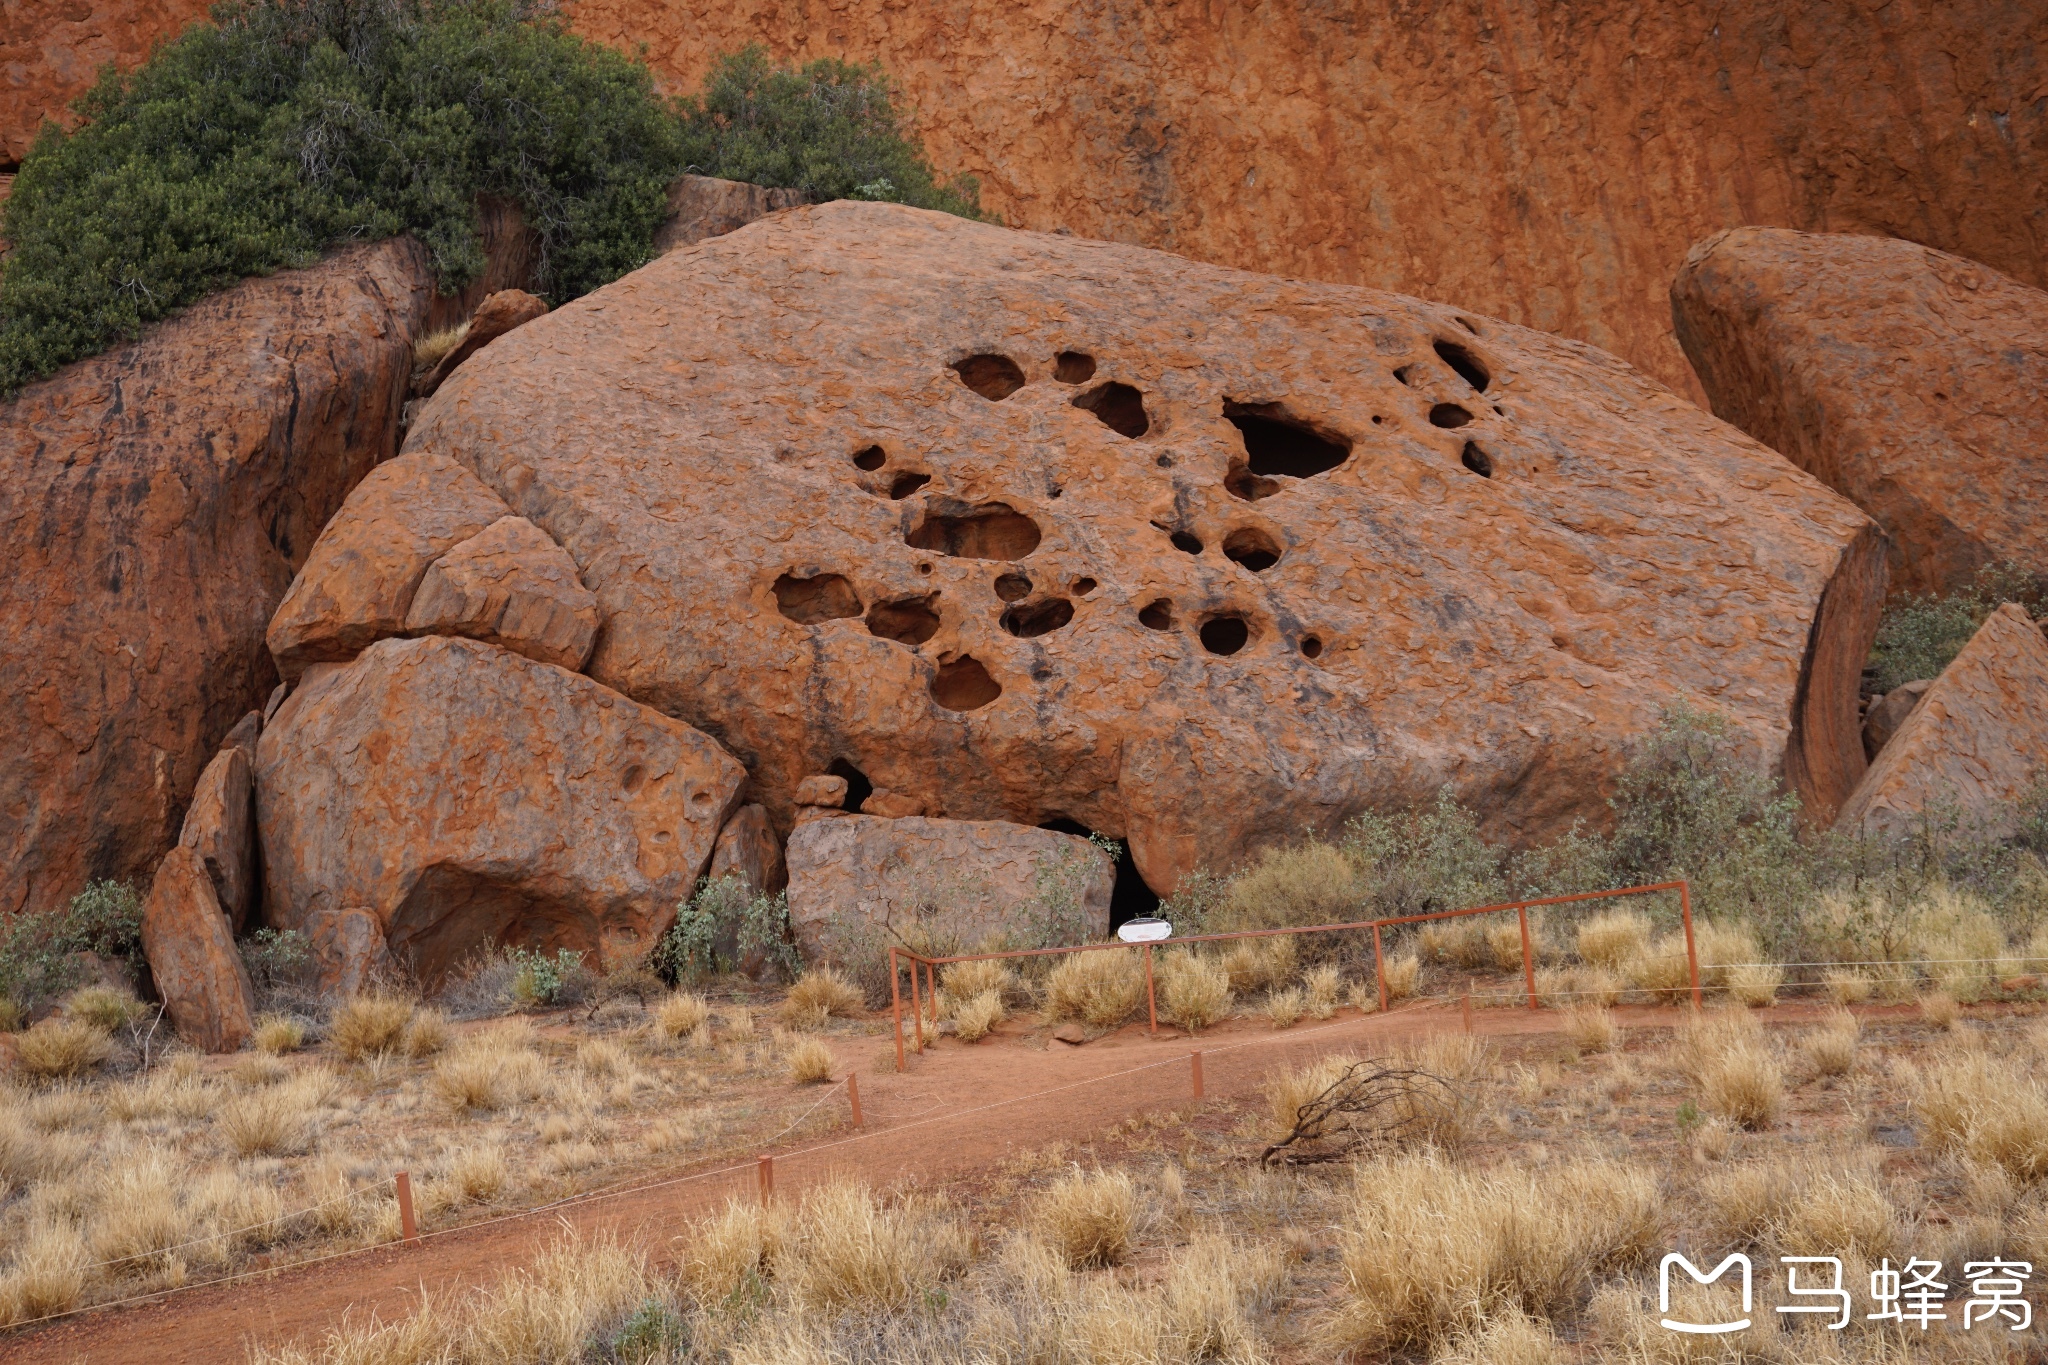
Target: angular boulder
357,584
348,950
465,795
1977,741
747,849
220,827
702,206
1913,382
192,958
1029,528
495,316
156,501
862,882
1889,712
511,585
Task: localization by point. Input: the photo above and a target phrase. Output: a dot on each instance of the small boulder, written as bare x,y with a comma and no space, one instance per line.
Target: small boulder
950,884
1978,738
701,206
220,827
466,795
1072,1034
498,314
348,950
747,849
511,585
822,789
1889,712
192,957
891,805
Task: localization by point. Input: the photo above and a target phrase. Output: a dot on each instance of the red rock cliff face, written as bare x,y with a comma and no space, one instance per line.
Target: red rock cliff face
1544,163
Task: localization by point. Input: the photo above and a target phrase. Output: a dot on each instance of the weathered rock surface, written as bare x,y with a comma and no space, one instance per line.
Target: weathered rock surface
495,316
348,950
1889,712
463,795
155,502
220,827
358,583
862,882
192,957
1030,528
1913,382
701,206
513,586
748,849
1978,738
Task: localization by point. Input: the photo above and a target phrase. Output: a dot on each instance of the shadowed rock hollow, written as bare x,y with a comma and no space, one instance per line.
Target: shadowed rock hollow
838,507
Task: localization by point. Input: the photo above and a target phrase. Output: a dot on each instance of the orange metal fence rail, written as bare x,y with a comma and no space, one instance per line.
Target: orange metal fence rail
925,992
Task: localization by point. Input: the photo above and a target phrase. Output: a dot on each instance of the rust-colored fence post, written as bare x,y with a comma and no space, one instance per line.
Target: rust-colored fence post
916,1006
406,1225
1151,998
853,1096
1692,952
764,1177
1379,967
1528,955
896,1005
1195,1066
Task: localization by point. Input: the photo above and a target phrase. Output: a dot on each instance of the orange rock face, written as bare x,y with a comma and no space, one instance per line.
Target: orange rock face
192,957
1913,382
464,795
1542,163
1029,528
511,585
156,501
1978,738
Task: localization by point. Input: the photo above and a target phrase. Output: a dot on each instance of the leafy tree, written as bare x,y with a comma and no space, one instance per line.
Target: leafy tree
831,128
283,127
1919,636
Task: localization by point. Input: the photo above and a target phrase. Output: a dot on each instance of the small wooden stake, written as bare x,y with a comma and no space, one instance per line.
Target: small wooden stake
853,1096
765,1174
1195,1060
406,1225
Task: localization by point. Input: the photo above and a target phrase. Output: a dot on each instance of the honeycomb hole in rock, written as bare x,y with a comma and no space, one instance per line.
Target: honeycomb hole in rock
1448,415
1280,445
994,377
1164,462
903,485
1084,586
1185,542
1156,615
1029,620
1119,407
1011,586
1469,325
964,685
1224,634
1465,363
910,621
858,788
1129,897
1073,367
1240,482
874,457
821,597
1401,373
991,531
1311,647
1477,460
1252,547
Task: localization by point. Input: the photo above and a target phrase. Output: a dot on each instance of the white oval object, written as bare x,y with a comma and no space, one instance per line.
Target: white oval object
1145,930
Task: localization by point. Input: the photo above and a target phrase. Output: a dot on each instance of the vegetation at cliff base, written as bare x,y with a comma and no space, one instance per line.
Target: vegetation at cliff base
1919,636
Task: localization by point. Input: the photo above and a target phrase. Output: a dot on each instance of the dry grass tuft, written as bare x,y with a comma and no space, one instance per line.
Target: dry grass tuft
1403,974
1755,984
681,1014
278,1034
1255,964
426,1033
1993,1110
1614,938
1589,1027
13,1018
1364,996
1745,1086
490,1070
1506,1337
276,1121
478,1175
808,1061
723,1255
602,1058
46,1274
1101,989
1090,1217
1940,1009
1287,1090
254,1070
60,1048
1284,1007
851,1251
366,1026
818,995
1831,1048
978,1015
103,1007
1321,989
1195,989
1663,970
434,347
1457,941
1846,987
1838,1213
1504,942
966,980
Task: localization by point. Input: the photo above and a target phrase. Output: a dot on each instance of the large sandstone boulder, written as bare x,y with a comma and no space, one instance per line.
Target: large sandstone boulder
1913,382
220,827
465,795
860,883
192,958
1027,528
1977,741
155,503
513,586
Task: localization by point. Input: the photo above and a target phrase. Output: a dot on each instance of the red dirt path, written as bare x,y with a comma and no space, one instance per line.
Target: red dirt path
930,1124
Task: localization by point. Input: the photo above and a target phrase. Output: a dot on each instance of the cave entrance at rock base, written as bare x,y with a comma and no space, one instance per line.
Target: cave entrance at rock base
451,912
858,788
1130,898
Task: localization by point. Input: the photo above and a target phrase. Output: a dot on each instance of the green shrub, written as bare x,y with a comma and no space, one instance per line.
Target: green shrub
538,979
830,128
284,126
723,924
1917,637
37,947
